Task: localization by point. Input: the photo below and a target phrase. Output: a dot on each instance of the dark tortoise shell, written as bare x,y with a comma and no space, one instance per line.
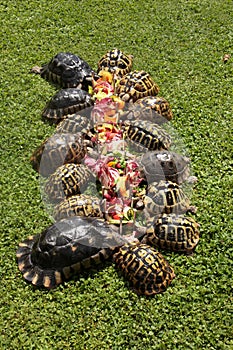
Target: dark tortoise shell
65,248
164,165
66,102
67,70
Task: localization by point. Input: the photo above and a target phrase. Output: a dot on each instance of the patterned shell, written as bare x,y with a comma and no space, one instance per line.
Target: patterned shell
166,197
78,205
73,124
147,134
66,102
68,180
178,233
57,150
65,248
165,165
134,112
158,104
135,85
115,61
146,268
67,70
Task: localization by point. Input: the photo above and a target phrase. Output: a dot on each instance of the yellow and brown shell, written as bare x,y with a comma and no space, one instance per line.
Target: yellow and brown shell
146,269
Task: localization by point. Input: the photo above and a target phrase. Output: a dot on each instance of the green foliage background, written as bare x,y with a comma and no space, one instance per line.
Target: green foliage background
181,43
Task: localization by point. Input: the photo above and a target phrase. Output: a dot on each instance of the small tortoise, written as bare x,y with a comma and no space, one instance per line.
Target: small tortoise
165,165
133,112
67,70
73,124
166,197
78,205
147,134
57,150
65,248
174,232
115,61
135,85
67,180
147,270
158,104
65,102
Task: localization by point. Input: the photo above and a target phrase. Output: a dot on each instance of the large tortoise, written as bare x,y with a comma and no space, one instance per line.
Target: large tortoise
71,245
67,70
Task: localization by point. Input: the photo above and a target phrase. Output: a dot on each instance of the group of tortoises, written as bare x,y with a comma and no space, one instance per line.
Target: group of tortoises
110,176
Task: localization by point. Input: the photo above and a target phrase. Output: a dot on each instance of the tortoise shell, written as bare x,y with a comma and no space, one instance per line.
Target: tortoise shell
67,70
78,205
57,150
115,61
147,134
166,197
173,232
134,112
135,85
65,248
158,104
73,124
164,165
147,270
68,180
66,102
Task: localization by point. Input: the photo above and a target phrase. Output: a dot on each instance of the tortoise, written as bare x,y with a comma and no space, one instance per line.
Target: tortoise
72,245
115,61
135,85
67,180
57,150
74,123
78,205
179,233
67,70
145,267
166,197
133,112
147,134
165,165
65,102
157,103
65,248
